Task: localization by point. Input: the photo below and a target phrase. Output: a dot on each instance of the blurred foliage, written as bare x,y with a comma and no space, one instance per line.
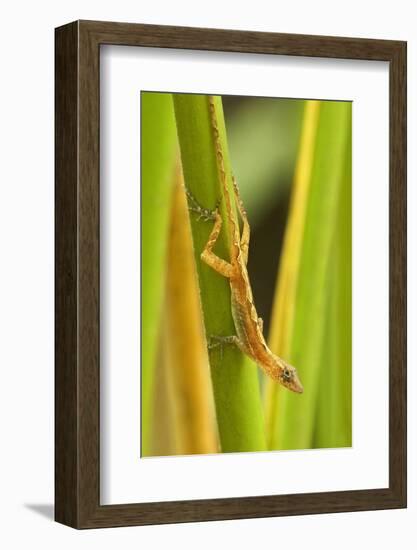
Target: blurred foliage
263,136
333,426
306,302
158,141
186,362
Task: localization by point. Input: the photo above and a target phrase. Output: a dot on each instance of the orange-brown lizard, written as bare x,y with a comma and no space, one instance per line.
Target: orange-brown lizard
249,336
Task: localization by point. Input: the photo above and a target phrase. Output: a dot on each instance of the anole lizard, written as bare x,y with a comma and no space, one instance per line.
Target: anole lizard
249,337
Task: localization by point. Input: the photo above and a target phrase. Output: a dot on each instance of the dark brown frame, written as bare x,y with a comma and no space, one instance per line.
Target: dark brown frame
77,372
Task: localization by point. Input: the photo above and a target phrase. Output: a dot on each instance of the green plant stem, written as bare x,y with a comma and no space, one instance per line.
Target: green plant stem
234,377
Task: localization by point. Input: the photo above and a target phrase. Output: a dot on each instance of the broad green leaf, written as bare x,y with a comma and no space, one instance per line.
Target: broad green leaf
157,162
300,331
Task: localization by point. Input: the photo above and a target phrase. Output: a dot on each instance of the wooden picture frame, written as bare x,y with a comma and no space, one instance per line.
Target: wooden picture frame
77,371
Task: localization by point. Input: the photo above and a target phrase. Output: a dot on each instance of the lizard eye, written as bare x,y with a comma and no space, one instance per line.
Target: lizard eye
286,375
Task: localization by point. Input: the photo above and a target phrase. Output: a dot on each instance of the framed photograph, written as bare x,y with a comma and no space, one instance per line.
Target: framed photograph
230,274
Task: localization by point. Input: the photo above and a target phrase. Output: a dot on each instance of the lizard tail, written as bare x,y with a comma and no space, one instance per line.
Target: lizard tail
234,229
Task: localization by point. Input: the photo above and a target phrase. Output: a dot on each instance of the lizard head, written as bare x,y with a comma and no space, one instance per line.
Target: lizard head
288,377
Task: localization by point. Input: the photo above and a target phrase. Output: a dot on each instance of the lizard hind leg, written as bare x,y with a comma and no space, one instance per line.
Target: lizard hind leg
261,324
245,236
203,213
210,258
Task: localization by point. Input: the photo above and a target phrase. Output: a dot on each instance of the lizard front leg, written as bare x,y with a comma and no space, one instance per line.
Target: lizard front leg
215,341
